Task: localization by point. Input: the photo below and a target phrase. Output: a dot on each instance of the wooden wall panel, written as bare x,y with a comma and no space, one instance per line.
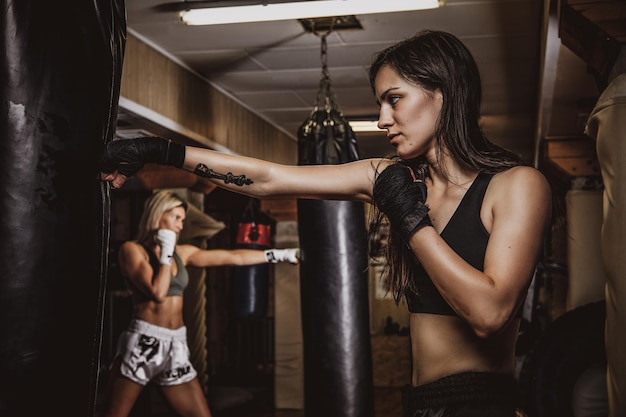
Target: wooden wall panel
152,80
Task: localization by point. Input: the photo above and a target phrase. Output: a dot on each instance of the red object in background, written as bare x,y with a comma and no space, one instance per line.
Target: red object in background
254,233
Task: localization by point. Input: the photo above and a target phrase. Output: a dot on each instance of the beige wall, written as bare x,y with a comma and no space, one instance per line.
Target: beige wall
154,81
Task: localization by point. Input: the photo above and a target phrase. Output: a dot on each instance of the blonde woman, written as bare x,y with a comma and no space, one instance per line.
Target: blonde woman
154,346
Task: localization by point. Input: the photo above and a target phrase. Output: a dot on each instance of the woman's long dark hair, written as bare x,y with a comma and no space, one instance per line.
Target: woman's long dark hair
435,60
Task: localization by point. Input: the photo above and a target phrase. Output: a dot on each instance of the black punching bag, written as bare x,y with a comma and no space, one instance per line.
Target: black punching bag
60,76
251,283
334,278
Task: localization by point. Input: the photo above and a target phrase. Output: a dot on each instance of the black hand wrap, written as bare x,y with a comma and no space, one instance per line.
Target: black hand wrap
402,199
129,155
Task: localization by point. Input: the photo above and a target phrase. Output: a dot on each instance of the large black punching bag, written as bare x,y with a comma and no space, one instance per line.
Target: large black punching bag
333,272
60,76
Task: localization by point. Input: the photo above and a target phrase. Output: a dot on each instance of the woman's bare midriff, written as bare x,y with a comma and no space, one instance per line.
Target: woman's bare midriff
445,345
168,314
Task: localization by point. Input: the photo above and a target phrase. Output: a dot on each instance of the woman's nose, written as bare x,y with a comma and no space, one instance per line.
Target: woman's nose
384,121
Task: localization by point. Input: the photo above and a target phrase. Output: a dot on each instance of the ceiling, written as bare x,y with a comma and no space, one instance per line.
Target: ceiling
274,68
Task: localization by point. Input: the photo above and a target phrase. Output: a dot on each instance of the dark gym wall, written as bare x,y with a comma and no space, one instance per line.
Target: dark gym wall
60,75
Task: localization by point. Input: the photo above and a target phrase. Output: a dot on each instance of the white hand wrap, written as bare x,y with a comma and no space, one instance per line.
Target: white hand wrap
282,255
167,240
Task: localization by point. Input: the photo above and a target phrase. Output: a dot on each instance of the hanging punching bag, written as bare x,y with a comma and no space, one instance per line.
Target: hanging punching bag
251,283
60,71
334,280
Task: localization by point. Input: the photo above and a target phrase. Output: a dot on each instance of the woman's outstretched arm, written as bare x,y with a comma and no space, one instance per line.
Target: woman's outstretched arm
251,176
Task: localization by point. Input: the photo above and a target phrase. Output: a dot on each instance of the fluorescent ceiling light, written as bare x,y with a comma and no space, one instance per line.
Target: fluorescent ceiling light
300,10
364,126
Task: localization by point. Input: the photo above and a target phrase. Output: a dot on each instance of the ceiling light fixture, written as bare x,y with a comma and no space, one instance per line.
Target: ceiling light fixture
265,11
365,126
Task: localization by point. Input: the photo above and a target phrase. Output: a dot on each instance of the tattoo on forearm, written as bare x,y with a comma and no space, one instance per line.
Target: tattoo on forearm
204,171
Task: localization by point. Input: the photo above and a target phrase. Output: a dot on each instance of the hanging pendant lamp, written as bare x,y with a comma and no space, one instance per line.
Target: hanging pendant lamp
326,137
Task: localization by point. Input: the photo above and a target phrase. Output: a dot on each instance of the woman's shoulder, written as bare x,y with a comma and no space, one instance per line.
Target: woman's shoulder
520,177
132,245
520,186
133,248
186,250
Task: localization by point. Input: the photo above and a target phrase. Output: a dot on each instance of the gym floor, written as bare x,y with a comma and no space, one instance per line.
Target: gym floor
387,403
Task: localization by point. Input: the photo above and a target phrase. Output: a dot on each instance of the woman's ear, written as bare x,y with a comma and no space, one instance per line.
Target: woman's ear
439,97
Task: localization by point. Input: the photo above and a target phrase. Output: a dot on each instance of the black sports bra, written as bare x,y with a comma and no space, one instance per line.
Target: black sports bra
466,235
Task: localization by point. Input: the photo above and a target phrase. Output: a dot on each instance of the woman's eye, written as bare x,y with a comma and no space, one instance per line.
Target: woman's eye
393,99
